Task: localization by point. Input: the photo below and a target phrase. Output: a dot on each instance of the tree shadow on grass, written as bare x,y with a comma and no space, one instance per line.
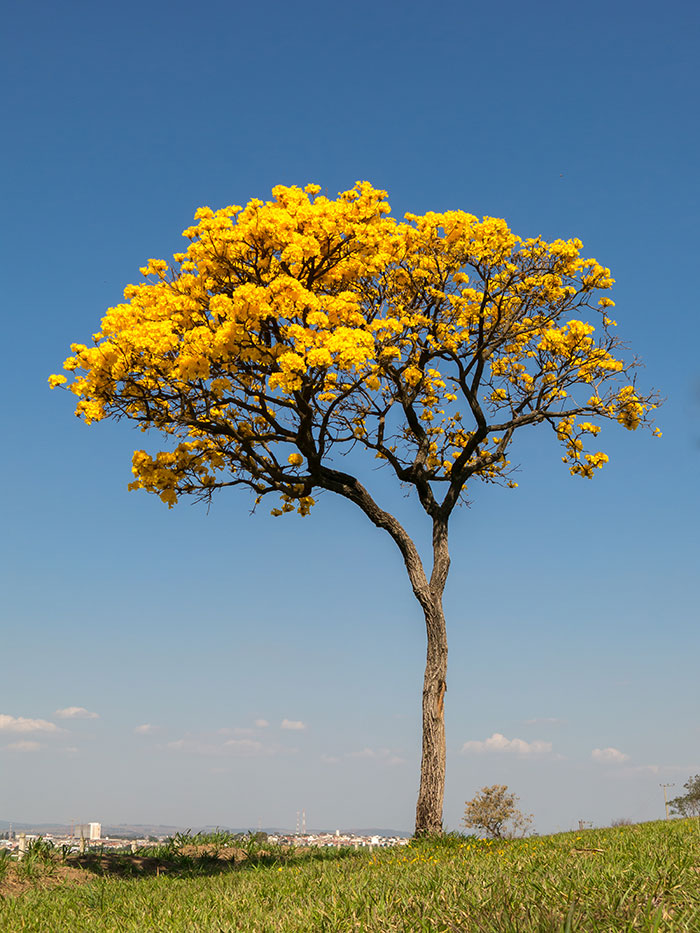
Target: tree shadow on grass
189,864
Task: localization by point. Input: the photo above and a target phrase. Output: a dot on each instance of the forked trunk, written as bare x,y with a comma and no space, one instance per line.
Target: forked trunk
429,595
432,769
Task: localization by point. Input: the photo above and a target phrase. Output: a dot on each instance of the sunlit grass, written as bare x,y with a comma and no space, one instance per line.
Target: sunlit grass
644,877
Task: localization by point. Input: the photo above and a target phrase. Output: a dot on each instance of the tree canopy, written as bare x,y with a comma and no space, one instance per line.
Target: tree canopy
688,804
292,330
493,811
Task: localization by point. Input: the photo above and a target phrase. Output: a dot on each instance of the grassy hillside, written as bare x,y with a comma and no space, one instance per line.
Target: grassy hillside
644,877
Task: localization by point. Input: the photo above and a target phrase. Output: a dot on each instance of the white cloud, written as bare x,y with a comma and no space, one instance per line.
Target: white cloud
145,729
75,712
204,746
499,743
294,724
262,723
22,724
330,759
378,754
609,755
365,753
24,746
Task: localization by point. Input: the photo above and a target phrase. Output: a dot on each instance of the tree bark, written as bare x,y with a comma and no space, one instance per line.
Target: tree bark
432,770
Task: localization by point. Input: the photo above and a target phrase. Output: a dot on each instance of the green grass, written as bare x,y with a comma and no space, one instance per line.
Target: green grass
644,877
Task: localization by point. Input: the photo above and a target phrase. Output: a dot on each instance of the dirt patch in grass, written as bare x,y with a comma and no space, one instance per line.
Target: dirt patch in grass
16,882
78,869
228,854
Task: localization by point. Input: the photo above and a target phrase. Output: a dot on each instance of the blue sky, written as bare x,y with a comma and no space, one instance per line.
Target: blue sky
571,605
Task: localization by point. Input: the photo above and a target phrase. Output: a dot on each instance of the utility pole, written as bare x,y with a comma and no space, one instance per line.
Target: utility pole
665,797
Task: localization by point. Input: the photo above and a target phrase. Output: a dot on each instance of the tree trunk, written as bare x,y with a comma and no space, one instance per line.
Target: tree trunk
429,595
432,769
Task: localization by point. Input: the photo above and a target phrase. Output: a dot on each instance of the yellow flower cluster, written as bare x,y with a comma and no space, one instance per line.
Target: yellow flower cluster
325,323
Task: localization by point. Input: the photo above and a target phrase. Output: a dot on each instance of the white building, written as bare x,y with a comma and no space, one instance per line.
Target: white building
91,831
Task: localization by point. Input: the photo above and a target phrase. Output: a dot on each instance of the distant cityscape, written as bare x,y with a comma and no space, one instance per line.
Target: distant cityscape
80,837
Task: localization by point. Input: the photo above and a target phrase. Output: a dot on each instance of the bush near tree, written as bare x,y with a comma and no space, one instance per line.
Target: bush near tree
688,804
292,332
493,811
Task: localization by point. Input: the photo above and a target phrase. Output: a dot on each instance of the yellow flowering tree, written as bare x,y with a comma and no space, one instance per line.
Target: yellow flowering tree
292,331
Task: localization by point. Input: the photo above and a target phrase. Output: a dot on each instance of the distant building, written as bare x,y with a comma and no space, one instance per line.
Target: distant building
91,831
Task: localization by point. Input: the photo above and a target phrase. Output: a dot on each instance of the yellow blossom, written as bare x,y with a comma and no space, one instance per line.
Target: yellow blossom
425,340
